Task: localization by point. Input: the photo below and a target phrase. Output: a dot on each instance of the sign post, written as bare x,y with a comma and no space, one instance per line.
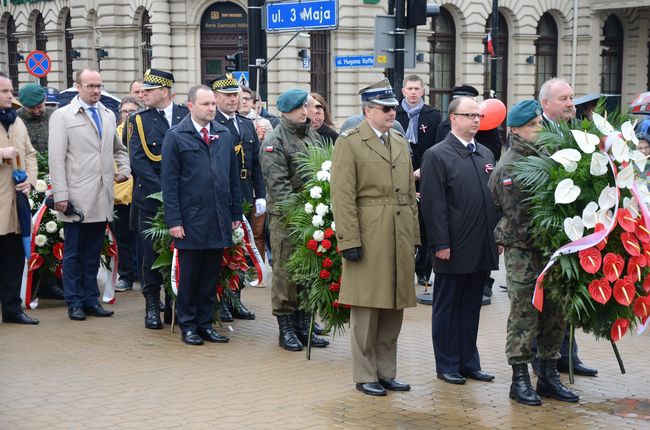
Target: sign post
38,64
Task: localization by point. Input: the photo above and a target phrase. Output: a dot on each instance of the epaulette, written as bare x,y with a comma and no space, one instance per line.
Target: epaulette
240,116
349,131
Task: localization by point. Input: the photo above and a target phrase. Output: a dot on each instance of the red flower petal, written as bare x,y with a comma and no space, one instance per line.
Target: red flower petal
625,220
642,232
634,266
58,272
335,304
642,307
57,251
35,261
334,287
324,274
646,284
329,232
326,244
619,328
613,266
327,263
600,245
600,291
312,244
590,260
624,291
630,243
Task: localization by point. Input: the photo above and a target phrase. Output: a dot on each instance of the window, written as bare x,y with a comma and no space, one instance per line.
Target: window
145,33
501,60
443,58
612,54
546,47
12,52
68,36
319,46
41,41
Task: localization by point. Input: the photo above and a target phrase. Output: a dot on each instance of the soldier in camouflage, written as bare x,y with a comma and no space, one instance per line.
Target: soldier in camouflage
523,263
35,115
279,166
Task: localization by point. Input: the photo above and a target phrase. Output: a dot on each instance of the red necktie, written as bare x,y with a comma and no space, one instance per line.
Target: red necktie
206,139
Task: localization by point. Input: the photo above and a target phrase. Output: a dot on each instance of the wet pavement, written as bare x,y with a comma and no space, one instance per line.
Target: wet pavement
112,373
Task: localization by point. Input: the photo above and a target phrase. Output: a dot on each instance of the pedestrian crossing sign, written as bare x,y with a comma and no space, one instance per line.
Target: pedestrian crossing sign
241,78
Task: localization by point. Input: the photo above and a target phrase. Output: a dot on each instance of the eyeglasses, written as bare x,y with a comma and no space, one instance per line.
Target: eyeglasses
246,99
386,109
471,116
128,110
93,86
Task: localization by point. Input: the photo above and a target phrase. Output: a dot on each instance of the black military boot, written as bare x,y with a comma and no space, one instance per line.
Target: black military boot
224,312
549,384
301,321
288,339
521,389
238,309
152,312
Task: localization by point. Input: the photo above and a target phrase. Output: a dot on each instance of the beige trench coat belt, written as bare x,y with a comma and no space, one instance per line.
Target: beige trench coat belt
373,201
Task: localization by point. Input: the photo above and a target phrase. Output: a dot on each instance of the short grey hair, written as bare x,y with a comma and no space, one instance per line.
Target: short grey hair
545,92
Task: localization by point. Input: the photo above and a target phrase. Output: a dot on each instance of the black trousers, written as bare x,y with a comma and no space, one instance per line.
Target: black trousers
83,247
197,289
150,279
455,319
12,263
423,258
125,243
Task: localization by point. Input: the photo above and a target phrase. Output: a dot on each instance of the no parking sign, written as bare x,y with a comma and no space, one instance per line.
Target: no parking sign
38,64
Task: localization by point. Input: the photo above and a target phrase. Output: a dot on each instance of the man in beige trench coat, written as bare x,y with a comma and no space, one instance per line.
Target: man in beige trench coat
376,215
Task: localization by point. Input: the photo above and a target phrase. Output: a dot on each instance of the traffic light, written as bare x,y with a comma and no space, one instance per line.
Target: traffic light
235,62
417,12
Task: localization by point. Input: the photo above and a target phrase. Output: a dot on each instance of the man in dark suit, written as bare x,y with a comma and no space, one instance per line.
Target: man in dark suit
202,200
460,217
247,150
147,129
421,124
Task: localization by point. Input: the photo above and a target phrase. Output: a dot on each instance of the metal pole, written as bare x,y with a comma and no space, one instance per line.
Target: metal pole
400,29
495,33
256,48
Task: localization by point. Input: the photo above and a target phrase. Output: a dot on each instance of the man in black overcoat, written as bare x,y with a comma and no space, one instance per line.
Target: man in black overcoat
460,216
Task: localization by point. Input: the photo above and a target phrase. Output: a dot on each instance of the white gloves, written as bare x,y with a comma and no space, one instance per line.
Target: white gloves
260,207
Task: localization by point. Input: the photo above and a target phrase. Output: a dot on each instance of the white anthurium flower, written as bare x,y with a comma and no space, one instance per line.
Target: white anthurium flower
51,227
619,149
40,240
318,235
574,228
642,188
41,186
323,175
639,159
589,215
61,234
599,164
586,141
309,208
632,206
602,124
327,165
31,203
625,177
568,158
316,192
605,217
333,226
627,130
607,198
322,209
566,191
317,221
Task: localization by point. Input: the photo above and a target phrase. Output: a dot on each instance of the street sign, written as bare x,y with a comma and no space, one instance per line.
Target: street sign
354,61
385,43
300,15
38,64
241,78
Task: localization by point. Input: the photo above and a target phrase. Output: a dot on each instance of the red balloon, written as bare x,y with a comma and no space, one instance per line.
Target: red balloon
494,111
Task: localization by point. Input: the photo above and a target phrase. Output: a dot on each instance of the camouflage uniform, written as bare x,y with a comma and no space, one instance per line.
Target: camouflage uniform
37,127
523,264
278,156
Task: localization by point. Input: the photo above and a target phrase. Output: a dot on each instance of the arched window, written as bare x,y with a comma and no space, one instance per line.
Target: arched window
500,43
319,46
443,59
68,36
546,47
145,38
12,52
41,41
612,53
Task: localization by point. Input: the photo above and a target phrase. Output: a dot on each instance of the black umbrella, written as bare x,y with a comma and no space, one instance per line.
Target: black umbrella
107,99
23,210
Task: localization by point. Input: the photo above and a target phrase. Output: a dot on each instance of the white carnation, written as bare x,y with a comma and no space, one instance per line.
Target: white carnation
51,227
322,209
333,226
309,208
40,240
323,176
327,165
316,192
317,221
318,235
41,186
61,234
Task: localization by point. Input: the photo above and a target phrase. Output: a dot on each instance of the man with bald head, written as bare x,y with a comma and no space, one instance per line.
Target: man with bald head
460,218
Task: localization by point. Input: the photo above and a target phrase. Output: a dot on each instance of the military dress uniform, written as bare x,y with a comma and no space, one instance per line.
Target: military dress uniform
147,128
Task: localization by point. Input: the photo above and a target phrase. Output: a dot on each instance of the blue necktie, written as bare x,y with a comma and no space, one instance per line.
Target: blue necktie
471,147
98,122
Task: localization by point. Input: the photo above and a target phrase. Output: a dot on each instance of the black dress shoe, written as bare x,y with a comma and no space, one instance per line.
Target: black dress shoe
97,311
452,378
211,335
191,338
19,318
371,389
393,384
76,314
478,375
579,368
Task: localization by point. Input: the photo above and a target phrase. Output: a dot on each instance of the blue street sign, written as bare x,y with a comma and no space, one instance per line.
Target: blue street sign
38,64
355,61
241,78
301,15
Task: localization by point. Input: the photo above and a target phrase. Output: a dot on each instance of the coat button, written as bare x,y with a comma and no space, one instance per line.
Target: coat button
397,190
398,212
153,144
393,166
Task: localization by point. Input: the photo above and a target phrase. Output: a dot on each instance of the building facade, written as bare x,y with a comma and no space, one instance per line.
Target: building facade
597,45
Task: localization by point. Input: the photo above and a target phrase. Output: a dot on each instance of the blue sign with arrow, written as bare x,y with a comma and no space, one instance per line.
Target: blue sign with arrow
301,15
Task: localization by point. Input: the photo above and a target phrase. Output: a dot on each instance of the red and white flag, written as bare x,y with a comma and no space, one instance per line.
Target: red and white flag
490,45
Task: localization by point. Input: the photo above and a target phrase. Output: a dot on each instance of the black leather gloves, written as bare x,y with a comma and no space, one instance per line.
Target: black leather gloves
352,254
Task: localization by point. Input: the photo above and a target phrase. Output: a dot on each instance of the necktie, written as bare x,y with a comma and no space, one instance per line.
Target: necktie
234,123
95,115
162,112
385,139
471,147
206,138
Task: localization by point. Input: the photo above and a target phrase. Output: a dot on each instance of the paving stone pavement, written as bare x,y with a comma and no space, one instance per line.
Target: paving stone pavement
112,373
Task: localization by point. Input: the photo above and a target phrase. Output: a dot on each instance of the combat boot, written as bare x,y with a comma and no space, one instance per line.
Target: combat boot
301,321
288,339
237,308
521,389
549,384
224,312
152,312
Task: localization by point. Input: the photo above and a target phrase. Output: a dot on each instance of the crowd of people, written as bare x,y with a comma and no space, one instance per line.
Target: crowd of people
413,193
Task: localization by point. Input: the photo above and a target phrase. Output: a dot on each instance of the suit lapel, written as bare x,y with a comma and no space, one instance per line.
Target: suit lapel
221,119
395,149
369,136
176,115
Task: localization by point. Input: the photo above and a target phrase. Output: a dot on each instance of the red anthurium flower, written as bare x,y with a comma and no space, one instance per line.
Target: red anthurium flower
590,260
219,290
600,291
233,282
334,287
329,232
112,249
600,245
625,220
324,274
335,304
619,328
58,272
326,244
630,243
35,261
624,291
312,244
57,251
646,284
613,266
642,232
634,266
642,307
327,263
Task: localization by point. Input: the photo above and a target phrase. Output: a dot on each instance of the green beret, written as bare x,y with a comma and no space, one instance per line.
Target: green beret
291,99
523,112
31,95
